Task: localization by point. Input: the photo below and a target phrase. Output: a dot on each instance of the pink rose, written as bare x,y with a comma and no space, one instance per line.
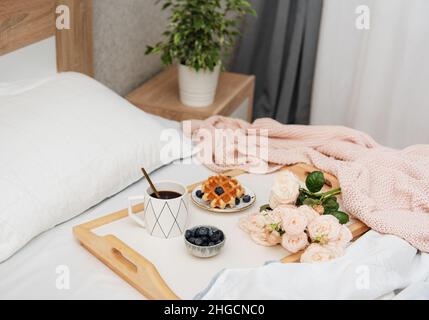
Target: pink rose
296,243
272,216
274,238
285,190
294,221
324,229
317,253
344,237
266,238
252,223
309,212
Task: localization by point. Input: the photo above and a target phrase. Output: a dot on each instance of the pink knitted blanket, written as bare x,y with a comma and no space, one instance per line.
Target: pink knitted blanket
385,188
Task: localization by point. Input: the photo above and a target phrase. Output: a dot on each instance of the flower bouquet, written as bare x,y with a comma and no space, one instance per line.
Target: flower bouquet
301,219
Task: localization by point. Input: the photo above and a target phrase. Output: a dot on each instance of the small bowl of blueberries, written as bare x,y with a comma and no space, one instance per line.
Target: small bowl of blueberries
204,241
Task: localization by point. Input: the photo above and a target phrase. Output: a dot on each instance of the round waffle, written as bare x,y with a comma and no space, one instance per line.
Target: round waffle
221,191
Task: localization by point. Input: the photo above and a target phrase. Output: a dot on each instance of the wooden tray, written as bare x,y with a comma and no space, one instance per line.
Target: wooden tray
140,272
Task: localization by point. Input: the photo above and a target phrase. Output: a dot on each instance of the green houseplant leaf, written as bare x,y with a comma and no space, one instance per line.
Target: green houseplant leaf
200,32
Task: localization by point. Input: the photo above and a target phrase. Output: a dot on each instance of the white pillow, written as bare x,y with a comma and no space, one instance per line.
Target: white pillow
66,144
16,87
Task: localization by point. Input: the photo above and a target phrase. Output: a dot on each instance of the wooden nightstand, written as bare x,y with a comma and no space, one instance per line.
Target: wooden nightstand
160,96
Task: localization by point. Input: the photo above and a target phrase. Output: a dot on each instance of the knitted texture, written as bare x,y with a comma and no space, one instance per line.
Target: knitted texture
385,188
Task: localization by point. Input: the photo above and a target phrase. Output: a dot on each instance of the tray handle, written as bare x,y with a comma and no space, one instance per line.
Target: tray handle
137,269
126,262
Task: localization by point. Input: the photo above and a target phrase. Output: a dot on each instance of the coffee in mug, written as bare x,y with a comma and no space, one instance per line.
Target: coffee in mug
163,217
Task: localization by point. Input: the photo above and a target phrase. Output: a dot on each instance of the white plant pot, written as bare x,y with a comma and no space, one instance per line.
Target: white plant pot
198,88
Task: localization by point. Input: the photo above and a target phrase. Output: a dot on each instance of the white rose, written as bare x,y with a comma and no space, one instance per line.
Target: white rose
285,190
324,229
317,253
294,221
309,212
344,237
296,243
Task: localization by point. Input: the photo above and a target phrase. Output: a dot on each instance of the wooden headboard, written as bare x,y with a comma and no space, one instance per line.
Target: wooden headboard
23,22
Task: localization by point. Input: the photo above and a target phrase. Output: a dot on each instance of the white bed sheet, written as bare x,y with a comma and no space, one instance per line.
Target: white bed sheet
32,272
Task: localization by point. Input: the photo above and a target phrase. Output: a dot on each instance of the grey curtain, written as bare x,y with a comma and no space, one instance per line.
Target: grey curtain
280,47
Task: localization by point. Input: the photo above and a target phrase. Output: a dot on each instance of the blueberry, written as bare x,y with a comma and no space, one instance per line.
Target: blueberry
199,194
198,242
192,240
211,244
247,198
219,191
216,236
221,236
210,232
189,234
202,231
237,201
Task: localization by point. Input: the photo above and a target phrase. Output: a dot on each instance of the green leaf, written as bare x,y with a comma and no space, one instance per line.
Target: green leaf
177,38
166,5
301,198
341,216
330,205
149,50
311,202
265,207
315,181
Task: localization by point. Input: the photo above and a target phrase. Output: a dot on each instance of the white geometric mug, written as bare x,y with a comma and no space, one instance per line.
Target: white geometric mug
163,218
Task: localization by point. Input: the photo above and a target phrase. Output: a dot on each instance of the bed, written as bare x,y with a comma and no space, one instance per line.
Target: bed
63,136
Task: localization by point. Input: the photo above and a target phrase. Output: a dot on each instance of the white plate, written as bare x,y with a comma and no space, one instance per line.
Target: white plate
240,207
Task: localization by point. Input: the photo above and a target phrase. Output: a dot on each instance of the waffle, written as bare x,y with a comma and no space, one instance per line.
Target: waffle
232,189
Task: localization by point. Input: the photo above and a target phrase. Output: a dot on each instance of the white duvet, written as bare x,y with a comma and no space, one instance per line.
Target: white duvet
375,266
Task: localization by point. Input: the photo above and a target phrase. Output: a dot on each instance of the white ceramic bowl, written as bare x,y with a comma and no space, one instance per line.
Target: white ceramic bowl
204,251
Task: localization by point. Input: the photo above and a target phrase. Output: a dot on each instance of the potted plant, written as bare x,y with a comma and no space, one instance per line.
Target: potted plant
199,33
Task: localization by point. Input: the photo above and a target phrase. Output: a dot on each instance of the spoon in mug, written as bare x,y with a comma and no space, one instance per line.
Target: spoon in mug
151,184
